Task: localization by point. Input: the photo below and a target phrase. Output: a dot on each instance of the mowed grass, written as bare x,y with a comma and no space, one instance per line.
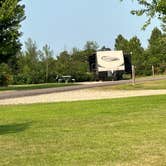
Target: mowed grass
125,132
35,86
150,85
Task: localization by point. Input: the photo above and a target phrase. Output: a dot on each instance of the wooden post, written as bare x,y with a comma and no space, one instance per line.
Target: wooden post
153,72
97,75
133,74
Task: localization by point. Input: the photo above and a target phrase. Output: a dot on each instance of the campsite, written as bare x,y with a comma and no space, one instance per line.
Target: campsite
94,94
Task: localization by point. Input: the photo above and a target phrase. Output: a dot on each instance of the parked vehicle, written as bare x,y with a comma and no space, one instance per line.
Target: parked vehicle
66,79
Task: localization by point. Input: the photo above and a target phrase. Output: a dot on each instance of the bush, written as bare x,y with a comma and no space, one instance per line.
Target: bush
81,76
5,75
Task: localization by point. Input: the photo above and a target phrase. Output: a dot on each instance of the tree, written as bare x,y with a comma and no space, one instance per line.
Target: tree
5,75
152,8
48,54
80,66
63,63
132,47
91,45
137,54
104,48
157,50
29,66
154,47
155,36
122,44
11,15
75,64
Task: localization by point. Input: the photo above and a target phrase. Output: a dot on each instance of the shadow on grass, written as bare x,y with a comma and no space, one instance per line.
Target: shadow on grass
14,128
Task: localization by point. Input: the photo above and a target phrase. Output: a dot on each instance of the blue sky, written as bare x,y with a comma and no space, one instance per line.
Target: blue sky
64,24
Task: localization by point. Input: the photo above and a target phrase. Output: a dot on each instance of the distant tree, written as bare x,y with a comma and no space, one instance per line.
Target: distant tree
11,15
137,54
134,48
91,45
80,66
48,56
63,63
122,44
157,49
75,50
154,47
104,48
74,64
155,36
162,44
90,48
29,66
137,50
32,52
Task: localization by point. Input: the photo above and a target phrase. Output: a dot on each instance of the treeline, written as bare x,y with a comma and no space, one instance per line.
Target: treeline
145,58
41,66
34,66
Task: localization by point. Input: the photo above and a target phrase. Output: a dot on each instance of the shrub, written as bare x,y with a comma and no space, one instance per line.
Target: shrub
5,75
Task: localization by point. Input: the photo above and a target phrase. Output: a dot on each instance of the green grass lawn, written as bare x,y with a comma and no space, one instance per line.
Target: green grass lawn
126,132
151,85
35,86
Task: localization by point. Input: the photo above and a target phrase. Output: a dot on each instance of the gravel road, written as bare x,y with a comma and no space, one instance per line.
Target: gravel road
36,92
87,91
78,95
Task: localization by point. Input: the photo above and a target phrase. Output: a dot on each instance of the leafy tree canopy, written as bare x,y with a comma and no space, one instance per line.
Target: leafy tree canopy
11,15
152,8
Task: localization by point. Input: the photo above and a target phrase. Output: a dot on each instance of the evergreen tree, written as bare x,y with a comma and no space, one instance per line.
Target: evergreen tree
156,50
122,44
137,54
91,45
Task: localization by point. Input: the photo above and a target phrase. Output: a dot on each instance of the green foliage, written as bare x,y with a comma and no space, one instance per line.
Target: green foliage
47,59
75,64
11,15
137,54
132,47
161,6
40,66
91,45
35,66
156,50
154,55
5,75
122,44
152,8
30,68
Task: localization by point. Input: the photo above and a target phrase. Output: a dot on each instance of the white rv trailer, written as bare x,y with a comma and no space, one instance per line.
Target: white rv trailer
110,61
109,64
